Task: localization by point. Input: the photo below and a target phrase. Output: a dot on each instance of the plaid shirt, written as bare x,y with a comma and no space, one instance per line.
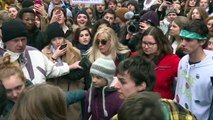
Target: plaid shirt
174,111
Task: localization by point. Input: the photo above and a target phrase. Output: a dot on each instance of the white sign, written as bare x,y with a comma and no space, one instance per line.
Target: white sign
87,1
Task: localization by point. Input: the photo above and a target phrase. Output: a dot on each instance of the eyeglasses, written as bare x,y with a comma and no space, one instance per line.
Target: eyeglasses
148,44
103,42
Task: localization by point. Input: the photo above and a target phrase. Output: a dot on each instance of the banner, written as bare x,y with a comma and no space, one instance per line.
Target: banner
87,1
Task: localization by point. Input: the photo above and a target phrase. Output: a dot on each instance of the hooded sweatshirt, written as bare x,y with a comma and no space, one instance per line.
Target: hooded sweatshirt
194,88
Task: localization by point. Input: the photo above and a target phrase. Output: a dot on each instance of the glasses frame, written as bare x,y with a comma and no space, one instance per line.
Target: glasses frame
148,44
103,42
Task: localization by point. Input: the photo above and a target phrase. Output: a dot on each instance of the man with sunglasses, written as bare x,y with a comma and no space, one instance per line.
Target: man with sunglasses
194,90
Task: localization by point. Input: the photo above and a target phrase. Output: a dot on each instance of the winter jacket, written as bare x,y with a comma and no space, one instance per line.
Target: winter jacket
112,103
166,72
37,67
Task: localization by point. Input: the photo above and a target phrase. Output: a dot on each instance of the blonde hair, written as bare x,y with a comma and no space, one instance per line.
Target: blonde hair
40,102
115,46
8,69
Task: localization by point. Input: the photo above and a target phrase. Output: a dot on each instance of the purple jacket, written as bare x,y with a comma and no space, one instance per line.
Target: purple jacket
112,103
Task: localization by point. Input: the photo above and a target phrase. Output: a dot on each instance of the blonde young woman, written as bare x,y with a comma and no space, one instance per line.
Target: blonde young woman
13,80
105,44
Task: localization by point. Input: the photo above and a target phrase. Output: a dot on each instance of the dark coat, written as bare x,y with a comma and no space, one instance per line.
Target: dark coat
112,103
36,39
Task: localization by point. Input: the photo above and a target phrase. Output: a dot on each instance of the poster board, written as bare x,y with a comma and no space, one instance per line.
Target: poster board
87,1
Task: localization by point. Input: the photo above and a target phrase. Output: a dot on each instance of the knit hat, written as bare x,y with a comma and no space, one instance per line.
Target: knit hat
27,3
120,13
80,12
25,10
150,16
54,30
12,29
171,10
103,67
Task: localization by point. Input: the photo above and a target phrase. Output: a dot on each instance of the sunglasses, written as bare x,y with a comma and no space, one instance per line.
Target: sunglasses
103,42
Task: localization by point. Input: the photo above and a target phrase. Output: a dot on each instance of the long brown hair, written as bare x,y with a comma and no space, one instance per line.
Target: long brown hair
203,13
40,102
164,47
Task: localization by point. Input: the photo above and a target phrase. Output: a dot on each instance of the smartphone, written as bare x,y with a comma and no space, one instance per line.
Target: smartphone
38,2
62,46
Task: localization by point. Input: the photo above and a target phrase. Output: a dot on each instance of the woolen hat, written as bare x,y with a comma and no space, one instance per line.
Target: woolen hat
171,10
27,3
120,13
80,12
151,17
12,29
105,68
54,30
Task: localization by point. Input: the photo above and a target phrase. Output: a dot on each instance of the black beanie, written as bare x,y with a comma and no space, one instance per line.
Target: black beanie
27,3
80,12
12,29
151,17
54,30
25,10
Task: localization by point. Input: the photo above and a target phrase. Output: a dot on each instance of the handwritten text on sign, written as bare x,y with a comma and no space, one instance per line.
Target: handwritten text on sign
88,1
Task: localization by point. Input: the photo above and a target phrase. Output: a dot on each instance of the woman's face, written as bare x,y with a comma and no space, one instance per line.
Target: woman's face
192,3
210,25
82,20
174,29
196,14
149,45
37,22
103,44
12,12
57,41
14,86
210,45
84,37
98,81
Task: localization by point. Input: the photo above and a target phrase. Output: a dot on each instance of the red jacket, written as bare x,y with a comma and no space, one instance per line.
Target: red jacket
166,72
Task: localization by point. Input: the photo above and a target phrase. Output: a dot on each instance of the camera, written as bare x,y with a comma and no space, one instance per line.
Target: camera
133,25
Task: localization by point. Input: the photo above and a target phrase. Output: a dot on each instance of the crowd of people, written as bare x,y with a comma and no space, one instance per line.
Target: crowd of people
116,60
